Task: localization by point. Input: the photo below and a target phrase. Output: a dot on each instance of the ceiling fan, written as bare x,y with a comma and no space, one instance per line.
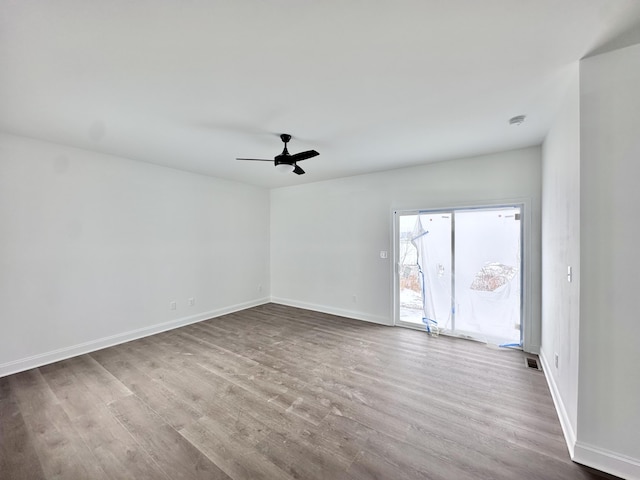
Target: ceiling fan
285,161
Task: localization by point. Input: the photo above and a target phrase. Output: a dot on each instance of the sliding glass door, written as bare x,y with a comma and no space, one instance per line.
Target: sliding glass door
459,272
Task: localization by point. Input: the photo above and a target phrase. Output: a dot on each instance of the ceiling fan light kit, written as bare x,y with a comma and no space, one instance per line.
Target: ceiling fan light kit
285,162
284,167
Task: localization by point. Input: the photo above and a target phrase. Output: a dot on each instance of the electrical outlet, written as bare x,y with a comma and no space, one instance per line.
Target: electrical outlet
384,254
354,298
173,305
192,301
260,288
555,359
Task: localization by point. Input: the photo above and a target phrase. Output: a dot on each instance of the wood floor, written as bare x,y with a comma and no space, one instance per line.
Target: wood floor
275,392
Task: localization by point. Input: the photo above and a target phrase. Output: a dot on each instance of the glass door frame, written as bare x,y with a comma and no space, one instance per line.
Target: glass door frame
522,204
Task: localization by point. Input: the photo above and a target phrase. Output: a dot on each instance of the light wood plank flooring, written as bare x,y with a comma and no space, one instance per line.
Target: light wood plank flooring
275,392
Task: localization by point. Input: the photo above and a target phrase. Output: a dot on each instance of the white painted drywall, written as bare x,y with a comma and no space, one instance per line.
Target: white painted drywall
560,250
326,237
609,380
94,247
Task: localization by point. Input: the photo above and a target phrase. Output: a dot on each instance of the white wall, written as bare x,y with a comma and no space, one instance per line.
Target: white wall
326,237
94,247
561,249
609,380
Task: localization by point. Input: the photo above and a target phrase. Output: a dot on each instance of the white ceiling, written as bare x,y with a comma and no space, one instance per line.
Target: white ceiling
192,84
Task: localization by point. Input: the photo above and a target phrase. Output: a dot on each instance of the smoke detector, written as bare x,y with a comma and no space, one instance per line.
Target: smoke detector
517,120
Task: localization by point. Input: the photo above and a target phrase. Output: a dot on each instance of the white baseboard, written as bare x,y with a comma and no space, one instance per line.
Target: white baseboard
565,423
580,452
333,311
39,360
607,461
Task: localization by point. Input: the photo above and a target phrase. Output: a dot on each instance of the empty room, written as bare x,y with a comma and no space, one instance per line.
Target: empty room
301,239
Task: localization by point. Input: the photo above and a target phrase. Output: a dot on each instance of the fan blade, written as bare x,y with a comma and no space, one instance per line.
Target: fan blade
255,159
298,170
298,157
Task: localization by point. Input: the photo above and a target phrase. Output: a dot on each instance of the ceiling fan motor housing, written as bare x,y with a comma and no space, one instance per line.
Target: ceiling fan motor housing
282,158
